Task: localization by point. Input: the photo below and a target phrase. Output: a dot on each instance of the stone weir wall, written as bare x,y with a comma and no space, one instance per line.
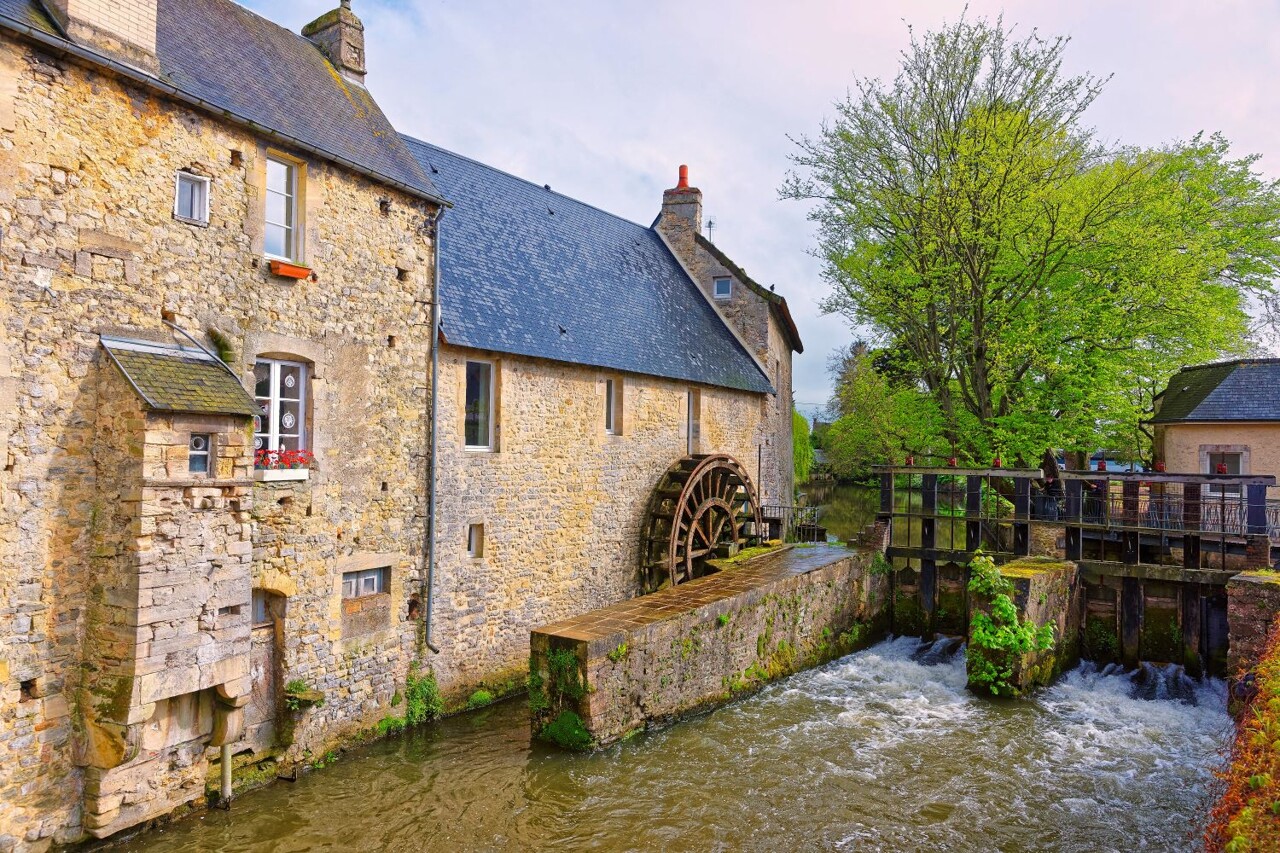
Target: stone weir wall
597,678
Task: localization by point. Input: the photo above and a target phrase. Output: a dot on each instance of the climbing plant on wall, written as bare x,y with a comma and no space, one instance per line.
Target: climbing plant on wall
999,639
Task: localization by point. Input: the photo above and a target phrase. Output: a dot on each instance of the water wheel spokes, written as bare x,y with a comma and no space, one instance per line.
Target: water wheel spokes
703,507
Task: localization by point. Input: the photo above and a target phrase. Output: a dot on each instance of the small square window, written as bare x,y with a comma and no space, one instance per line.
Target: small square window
723,288
366,582
191,201
475,540
199,451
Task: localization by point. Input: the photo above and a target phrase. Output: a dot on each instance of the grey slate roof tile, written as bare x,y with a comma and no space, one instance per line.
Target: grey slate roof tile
176,379
1243,390
531,272
237,61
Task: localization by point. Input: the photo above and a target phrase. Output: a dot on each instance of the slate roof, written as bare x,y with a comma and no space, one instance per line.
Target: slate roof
235,61
179,379
1242,390
531,272
777,304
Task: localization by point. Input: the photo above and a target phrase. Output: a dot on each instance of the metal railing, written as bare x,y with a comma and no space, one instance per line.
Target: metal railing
792,523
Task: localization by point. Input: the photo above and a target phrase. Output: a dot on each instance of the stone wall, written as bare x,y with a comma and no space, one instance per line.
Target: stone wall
1253,602
87,168
561,501
702,643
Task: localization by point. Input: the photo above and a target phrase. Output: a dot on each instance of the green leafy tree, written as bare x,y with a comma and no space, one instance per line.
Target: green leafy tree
1039,285
801,447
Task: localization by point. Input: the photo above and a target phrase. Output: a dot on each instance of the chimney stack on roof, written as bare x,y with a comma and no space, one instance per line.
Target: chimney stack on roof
123,30
340,36
682,206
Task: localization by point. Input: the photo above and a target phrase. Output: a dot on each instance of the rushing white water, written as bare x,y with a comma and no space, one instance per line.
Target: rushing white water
876,751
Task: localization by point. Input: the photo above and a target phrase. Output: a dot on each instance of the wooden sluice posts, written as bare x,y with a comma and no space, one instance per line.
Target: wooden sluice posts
1154,551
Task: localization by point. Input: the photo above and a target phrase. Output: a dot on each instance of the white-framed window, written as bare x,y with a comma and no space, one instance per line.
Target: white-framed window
191,198
478,420
475,540
199,452
722,287
613,406
280,389
365,582
280,239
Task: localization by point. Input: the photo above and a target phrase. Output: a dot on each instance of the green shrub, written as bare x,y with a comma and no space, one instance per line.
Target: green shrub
997,641
568,731
422,697
618,654
479,699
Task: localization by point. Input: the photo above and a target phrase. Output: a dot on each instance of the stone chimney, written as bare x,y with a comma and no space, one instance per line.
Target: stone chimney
124,30
340,36
681,219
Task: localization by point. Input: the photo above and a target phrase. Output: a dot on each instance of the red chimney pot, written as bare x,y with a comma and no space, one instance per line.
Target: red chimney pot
683,184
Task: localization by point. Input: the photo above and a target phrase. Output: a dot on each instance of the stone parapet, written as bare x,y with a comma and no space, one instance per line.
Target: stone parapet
698,645
1253,601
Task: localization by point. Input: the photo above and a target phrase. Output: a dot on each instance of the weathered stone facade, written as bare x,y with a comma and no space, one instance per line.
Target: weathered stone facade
562,501
91,245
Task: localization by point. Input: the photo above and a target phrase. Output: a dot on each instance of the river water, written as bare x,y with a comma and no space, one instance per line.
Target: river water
875,751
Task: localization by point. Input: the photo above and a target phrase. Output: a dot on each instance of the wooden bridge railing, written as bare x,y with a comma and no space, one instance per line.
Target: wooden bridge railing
996,507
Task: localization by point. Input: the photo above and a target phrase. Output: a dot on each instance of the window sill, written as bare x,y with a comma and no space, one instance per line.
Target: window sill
199,223
279,475
479,450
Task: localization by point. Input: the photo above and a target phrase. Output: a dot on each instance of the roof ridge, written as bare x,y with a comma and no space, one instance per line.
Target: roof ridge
1229,363
413,140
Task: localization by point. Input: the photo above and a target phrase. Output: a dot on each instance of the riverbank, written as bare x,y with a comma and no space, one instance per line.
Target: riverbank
873,751
1246,818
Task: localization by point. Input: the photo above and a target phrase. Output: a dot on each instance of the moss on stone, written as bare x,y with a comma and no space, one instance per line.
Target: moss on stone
567,731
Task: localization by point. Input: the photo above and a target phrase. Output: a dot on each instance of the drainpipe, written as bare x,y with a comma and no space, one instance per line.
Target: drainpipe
225,760
429,584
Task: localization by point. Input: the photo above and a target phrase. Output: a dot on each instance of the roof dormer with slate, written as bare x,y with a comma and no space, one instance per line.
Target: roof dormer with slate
1240,390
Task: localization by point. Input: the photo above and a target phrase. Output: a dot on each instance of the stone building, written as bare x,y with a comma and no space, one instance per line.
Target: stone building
160,583
1223,414
580,356
215,409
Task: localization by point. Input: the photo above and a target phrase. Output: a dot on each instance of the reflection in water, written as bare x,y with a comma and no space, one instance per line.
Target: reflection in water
872,752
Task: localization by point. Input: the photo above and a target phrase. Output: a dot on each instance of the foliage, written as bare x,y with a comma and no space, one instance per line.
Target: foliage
538,701
479,699
1247,815
389,726
568,731
880,564
566,675
1037,285
299,695
801,447
999,640
879,421
423,701
722,619
618,653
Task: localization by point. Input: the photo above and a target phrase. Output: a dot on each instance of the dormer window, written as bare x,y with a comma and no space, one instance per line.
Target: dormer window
191,199
723,287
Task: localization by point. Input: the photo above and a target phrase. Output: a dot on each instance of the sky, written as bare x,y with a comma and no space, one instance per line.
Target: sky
604,99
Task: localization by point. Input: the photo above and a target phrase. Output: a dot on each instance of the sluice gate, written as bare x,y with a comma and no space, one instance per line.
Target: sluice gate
1156,553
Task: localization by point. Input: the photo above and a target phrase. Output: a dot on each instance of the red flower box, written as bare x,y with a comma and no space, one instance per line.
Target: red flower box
284,269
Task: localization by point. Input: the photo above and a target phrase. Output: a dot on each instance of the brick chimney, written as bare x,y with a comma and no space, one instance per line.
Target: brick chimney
340,36
124,30
681,219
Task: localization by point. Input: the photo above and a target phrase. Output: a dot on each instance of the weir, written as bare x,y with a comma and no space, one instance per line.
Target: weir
1157,555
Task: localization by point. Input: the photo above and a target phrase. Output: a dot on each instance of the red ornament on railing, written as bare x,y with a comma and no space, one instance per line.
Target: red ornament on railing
1102,464
995,463
1221,468
911,460
952,462
1159,466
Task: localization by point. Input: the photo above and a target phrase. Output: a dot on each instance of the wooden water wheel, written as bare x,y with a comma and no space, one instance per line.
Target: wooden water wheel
704,507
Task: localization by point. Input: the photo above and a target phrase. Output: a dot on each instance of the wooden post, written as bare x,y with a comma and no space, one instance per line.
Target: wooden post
1191,635
1021,517
928,542
1075,534
1131,536
1130,621
973,513
1191,525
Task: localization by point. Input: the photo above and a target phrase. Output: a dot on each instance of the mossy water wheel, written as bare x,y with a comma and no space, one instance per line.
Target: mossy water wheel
705,506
